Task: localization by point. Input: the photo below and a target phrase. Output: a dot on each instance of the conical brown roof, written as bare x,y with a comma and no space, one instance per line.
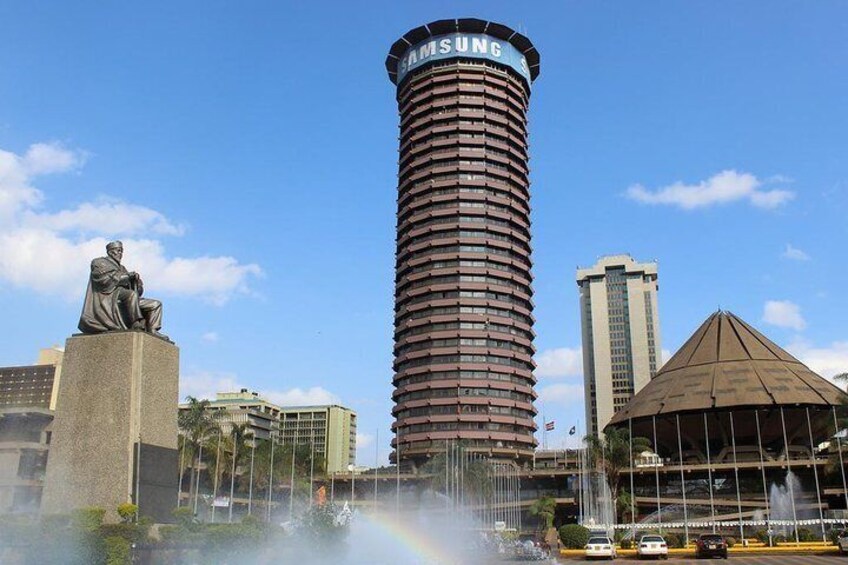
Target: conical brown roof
727,364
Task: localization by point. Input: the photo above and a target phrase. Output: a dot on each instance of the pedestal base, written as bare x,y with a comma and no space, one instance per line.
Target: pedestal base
114,437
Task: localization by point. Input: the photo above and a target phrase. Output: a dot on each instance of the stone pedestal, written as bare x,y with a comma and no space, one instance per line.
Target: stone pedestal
114,436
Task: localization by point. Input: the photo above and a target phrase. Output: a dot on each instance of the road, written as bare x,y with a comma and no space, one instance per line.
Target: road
740,560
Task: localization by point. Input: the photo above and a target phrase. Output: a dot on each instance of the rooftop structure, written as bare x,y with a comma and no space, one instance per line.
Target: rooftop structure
729,365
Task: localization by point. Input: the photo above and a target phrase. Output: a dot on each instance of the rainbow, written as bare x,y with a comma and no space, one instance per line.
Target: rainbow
426,548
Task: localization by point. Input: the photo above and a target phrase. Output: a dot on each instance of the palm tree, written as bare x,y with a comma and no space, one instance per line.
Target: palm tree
545,508
613,453
196,423
238,435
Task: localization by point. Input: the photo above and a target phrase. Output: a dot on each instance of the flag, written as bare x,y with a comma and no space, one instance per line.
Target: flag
549,426
572,431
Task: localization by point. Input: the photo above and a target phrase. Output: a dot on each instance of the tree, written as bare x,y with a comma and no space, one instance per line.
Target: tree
545,508
612,454
196,423
237,439
574,536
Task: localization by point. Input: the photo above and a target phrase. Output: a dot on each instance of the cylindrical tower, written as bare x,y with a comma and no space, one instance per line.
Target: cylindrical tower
463,298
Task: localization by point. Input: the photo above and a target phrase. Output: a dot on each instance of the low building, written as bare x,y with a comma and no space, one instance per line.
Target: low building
27,402
244,407
331,429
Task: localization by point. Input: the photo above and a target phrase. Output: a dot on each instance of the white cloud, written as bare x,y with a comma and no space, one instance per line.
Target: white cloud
302,397
112,218
561,393
205,384
827,361
794,253
666,355
50,158
560,362
49,252
364,440
784,314
722,188
210,337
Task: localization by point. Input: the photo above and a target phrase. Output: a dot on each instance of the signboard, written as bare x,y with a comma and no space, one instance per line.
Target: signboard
467,45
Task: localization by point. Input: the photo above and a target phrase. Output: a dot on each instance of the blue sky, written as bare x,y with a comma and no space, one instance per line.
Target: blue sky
246,154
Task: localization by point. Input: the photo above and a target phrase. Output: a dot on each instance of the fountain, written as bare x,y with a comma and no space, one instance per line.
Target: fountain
783,504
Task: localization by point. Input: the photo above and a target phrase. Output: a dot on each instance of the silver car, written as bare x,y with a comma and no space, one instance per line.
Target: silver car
842,542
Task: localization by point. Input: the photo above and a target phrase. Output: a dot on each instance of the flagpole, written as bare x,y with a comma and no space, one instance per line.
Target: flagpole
376,462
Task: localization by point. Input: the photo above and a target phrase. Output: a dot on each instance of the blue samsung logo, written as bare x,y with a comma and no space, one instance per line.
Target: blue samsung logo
471,45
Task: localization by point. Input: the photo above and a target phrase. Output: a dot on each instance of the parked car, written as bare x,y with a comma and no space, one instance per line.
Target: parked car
711,545
652,546
600,547
842,542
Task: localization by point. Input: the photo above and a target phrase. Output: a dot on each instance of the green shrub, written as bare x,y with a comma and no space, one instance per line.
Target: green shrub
88,519
127,511
731,541
833,536
117,551
183,515
130,532
805,534
574,536
625,544
251,520
674,540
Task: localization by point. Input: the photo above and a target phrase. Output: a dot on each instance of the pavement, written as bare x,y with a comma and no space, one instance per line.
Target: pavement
735,560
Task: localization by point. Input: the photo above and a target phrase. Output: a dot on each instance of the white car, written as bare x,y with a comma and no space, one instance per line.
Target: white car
652,546
842,542
600,547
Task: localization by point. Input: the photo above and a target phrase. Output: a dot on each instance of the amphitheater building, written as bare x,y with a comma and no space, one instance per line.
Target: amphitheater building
746,438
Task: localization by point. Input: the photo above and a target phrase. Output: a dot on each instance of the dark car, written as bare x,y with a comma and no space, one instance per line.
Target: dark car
711,545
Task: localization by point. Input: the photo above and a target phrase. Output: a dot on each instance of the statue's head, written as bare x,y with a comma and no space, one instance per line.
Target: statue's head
115,250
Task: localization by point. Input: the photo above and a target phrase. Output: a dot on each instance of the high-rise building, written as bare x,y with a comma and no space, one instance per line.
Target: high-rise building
621,334
27,402
463,367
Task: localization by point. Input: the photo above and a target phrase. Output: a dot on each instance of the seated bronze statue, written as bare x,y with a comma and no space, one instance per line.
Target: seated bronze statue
113,300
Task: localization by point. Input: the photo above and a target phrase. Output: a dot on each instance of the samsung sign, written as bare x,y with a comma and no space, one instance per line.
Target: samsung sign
469,45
